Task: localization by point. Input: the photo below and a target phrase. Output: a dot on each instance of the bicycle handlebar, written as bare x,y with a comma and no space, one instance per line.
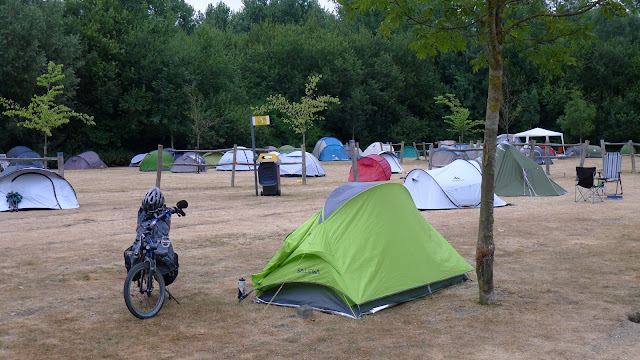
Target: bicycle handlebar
167,211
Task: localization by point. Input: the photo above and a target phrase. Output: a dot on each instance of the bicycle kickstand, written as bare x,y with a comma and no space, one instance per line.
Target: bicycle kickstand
171,296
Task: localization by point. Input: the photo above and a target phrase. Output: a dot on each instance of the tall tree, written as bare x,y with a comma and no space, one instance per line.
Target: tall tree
446,25
579,116
43,114
459,117
300,115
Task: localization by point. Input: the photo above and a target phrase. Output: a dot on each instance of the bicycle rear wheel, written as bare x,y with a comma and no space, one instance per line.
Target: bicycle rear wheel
144,298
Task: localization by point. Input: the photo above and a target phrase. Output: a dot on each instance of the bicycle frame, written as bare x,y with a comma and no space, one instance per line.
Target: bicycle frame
137,281
148,245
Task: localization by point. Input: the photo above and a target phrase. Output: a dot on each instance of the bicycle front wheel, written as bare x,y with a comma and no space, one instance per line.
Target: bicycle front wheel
144,294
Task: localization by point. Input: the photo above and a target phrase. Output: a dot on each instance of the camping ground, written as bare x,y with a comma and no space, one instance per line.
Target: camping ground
567,276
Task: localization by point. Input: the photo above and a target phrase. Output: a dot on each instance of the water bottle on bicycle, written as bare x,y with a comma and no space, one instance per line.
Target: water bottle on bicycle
151,262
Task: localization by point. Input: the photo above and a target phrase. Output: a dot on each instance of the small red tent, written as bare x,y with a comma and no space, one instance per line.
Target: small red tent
372,168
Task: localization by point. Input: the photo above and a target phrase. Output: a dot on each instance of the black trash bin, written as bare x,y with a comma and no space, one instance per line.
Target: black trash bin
269,175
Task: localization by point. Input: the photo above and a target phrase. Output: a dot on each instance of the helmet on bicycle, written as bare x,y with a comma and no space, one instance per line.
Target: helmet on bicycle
153,200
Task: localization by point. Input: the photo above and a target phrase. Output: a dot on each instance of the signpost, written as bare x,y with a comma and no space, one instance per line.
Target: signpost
257,121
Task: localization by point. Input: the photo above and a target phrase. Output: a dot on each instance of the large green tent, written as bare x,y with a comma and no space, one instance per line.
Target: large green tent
150,161
368,248
518,175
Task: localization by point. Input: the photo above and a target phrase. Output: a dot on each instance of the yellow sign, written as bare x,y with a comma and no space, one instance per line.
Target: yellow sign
260,120
268,157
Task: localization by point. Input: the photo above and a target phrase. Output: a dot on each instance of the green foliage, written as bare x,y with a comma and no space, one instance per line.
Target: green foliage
579,116
459,119
42,113
300,115
128,62
117,157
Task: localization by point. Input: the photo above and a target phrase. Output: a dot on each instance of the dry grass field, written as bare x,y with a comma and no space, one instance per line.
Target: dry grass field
567,275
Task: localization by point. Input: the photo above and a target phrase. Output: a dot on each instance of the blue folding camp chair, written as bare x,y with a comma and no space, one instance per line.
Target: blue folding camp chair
611,164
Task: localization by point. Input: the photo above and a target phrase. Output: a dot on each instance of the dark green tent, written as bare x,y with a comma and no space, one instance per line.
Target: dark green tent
368,248
518,175
625,149
150,162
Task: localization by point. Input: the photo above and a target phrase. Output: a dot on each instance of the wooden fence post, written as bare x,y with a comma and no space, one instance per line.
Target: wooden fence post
532,146
401,151
233,165
604,149
61,164
547,159
354,160
585,150
430,154
159,166
633,159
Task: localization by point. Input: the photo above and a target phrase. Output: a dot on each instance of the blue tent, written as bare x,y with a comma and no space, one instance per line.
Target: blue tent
330,149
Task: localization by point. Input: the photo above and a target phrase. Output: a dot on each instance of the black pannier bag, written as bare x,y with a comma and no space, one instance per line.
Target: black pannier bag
166,258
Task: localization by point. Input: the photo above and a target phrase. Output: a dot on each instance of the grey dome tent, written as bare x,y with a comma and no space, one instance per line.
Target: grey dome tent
593,151
186,162
86,160
25,153
444,156
38,188
538,152
136,160
347,149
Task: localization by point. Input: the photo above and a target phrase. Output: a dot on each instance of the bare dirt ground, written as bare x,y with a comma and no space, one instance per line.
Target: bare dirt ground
567,275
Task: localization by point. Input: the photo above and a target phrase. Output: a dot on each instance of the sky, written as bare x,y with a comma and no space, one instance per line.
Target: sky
235,5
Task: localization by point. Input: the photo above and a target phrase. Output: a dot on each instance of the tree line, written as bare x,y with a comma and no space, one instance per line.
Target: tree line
154,71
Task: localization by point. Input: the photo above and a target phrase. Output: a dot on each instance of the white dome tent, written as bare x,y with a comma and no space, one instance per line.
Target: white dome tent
291,165
454,186
244,160
396,168
376,148
38,188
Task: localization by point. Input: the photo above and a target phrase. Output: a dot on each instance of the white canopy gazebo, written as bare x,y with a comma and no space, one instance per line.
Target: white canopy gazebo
539,132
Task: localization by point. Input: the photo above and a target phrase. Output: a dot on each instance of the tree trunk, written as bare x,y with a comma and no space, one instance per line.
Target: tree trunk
45,146
304,159
485,247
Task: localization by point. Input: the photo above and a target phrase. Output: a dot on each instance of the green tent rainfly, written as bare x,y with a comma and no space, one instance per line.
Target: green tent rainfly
368,249
150,161
517,175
